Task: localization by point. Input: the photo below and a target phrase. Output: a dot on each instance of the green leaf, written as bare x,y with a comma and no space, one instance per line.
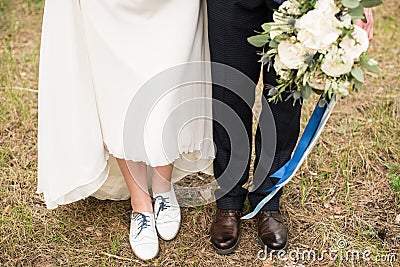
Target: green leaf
365,63
273,44
306,91
371,3
370,67
266,27
357,85
351,3
258,40
304,9
356,13
358,74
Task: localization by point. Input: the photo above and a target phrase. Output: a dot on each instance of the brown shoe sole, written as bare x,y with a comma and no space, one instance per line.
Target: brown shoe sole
227,250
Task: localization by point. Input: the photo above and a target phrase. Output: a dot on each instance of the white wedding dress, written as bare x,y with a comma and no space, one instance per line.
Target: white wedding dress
96,56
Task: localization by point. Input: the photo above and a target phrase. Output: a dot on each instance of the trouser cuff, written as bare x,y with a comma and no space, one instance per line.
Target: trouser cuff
230,203
273,204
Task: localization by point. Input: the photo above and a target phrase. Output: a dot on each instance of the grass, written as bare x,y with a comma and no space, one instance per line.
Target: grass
348,188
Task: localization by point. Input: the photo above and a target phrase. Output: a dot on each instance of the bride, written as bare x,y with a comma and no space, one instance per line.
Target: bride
96,58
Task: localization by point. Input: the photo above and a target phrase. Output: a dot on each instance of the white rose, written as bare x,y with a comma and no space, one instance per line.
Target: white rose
280,68
355,46
318,30
337,62
291,54
327,6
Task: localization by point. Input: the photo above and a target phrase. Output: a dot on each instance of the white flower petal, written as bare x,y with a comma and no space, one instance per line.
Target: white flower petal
291,54
337,62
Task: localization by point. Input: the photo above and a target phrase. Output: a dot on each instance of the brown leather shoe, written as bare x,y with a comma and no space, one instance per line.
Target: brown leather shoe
225,231
272,232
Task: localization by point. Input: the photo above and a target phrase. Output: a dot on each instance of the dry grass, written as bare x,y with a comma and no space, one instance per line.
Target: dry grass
343,191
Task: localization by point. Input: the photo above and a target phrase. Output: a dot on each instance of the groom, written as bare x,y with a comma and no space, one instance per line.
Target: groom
231,22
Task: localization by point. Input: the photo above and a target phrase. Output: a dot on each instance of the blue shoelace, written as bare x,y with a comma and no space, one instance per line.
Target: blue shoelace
144,221
163,204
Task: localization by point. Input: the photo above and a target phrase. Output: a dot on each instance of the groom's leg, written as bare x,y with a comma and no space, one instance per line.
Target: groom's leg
271,229
230,24
286,117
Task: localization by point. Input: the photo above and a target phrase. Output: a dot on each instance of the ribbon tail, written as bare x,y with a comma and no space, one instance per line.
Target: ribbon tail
313,141
280,174
287,172
260,205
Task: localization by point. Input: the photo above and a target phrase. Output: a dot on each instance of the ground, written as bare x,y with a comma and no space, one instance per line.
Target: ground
343,198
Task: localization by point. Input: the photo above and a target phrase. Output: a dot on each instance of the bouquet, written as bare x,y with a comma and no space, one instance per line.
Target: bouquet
314,46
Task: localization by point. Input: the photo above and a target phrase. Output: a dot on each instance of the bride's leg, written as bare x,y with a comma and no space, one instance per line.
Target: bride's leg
136,179
142,234
166,207
162,179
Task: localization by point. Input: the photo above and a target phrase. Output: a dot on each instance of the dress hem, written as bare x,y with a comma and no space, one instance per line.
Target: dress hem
159,164
54,203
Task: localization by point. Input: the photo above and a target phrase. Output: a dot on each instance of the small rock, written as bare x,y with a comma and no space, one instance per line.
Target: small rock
206,194
337,210
6,210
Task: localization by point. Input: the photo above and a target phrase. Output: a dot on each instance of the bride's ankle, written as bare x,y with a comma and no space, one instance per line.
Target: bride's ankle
143,207
161,190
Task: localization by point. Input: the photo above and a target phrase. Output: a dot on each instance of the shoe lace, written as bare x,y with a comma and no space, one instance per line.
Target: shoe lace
143,221
163,204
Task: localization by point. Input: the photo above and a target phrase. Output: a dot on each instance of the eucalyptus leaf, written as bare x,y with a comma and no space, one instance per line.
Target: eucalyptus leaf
356,13
266,27
273,44
306,91
351,3
258,40
357,85
358,74
371,68
371,3
364,61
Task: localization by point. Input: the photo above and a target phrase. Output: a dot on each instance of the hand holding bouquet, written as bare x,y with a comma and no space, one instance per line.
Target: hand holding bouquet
315,46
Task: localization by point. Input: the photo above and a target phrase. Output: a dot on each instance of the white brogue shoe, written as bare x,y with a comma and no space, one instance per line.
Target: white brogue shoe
143,236
168,215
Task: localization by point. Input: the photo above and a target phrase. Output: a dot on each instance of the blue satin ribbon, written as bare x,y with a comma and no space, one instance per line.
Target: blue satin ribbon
309,138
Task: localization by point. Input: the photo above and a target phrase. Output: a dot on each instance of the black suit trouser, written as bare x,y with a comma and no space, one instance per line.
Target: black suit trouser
231,22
